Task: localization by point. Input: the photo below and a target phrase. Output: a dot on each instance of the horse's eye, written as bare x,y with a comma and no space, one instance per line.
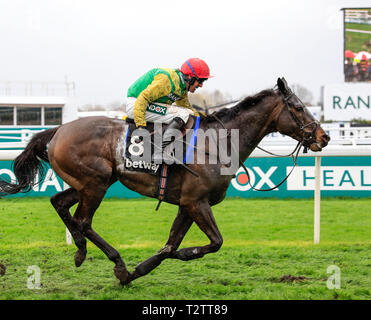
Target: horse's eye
299,108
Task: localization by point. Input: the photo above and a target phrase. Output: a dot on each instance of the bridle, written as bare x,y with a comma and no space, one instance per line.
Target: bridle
308,138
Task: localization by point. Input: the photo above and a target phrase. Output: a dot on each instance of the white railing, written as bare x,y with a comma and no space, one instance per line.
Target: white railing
19,141
357,16
9,150
339,136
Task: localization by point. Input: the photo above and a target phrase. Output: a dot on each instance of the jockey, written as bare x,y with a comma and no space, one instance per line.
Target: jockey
152,97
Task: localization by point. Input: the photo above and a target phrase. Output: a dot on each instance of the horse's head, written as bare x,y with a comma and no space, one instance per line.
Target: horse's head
296,121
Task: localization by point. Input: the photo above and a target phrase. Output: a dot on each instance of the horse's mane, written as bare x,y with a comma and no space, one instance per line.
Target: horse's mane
228,114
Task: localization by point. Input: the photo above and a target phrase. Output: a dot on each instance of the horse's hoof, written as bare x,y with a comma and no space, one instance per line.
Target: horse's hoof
79,257
122,274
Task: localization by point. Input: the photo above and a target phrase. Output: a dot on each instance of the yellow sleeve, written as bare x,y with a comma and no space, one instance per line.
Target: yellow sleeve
184,102
159,87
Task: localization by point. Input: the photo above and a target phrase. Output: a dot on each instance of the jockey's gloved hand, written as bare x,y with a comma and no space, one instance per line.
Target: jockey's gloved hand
202,114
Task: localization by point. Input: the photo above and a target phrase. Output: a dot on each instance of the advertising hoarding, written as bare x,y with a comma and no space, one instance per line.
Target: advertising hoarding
346,102
340,176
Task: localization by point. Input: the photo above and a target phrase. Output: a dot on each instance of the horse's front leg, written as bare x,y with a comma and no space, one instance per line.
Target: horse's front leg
180,226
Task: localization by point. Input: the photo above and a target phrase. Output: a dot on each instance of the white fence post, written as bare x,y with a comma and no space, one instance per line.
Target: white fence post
317,199
68,237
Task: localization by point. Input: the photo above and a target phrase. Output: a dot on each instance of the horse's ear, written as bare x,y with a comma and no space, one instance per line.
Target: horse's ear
282,84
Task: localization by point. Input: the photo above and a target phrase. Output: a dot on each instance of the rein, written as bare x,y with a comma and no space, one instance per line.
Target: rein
294,158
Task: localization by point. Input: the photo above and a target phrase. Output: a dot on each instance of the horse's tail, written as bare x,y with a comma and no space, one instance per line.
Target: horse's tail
28,164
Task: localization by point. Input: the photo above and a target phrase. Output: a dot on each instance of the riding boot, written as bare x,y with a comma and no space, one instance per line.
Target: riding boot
163,155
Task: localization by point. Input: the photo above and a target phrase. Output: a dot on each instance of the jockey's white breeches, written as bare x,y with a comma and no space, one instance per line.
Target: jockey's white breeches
159,112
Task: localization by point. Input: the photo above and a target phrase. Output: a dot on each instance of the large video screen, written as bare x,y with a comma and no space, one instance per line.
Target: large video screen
357,44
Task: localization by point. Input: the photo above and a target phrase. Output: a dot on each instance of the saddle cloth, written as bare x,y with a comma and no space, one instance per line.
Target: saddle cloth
133,148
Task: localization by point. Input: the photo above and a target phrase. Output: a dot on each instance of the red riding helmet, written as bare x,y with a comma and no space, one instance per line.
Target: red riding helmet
195,67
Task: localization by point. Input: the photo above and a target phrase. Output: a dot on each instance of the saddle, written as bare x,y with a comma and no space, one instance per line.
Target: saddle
133,149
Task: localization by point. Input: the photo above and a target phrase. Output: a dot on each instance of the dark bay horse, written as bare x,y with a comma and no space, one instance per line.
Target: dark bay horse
87,155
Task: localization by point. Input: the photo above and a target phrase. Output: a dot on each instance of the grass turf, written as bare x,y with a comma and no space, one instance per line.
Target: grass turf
265,242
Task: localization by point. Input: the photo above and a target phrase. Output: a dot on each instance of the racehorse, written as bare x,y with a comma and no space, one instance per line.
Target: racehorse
87,155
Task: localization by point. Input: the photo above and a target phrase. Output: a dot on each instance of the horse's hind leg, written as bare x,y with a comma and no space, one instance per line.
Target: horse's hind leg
90,200
62,202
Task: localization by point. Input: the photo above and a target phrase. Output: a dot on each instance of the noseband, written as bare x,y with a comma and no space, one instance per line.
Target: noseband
308,137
